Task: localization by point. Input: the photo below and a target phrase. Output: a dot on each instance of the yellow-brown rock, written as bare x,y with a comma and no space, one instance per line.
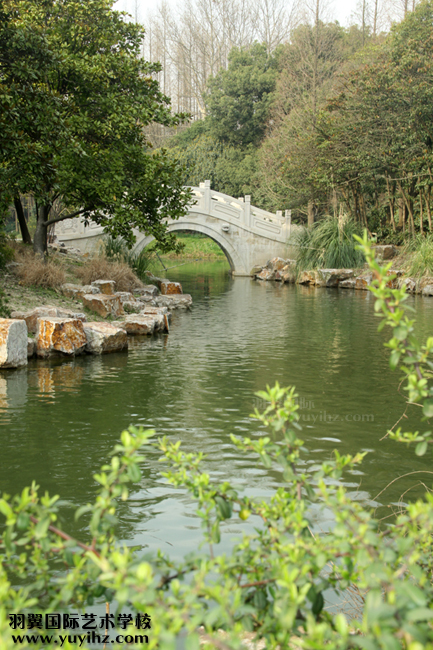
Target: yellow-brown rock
60,336
105,337
45,311
140,324
104,286
169,288
103,304
183,301
77,291
13,343
307,277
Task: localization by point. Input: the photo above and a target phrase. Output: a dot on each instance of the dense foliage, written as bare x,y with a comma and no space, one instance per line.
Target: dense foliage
347,120
74,100
275,580
223,147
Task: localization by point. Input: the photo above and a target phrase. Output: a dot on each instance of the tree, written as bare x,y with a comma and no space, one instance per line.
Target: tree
376,136
223,146
238,99
83,138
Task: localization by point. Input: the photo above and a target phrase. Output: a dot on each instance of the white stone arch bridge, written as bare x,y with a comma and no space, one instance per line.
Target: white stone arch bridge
248,235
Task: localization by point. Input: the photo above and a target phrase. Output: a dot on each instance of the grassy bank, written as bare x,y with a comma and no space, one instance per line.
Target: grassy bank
196,246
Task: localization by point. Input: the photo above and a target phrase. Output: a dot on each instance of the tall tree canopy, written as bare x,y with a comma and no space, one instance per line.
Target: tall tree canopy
223,147
74,100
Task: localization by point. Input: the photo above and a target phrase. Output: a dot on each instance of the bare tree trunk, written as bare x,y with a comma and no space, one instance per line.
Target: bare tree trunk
421,216
310,212
427,202
40,238
391,204
375,17
22,221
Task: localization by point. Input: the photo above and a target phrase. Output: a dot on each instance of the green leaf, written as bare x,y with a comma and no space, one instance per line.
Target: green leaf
41,528
260,600
419,614
427,408
224,507
134,473
394,359
318,604
192,642
421,448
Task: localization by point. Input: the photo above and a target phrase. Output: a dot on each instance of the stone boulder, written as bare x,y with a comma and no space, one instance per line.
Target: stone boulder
162,316
104,286
363,281
408,283
60,336
132,306
49,311
256,270
287,273
77,291
104,305
138,324
31,347
276,264
385,252
332,277
156,310
174,302
427,290
13,343
266,274
104,337
125,296
169,288
307,277
347,284
424,282
147,290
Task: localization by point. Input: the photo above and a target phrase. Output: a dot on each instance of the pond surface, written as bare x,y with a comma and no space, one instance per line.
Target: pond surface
60,420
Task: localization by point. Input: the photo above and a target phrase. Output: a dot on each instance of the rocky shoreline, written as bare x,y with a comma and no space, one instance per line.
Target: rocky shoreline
280,270
48,331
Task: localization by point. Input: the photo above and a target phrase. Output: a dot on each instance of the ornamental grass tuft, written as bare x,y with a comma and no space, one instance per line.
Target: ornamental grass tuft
329,244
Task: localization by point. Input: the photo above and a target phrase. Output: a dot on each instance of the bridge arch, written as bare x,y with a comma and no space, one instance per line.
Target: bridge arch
220,238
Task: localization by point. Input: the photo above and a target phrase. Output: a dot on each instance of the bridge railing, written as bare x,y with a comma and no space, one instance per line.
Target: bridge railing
241,212
237,212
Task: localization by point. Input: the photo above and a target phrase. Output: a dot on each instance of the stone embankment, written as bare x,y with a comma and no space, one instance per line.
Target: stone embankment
56,331
281,270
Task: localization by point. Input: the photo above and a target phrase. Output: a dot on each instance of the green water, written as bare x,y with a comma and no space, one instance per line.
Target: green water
59,420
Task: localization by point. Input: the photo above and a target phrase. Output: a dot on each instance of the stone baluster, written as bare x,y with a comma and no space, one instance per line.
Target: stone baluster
247,211
207,198
288,215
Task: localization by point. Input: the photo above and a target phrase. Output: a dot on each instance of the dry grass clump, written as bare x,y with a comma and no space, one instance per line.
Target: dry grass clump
35,272
100,268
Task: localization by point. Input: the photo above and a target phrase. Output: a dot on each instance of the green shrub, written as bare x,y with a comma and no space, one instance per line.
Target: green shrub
274,581
421,261
329,244
117,250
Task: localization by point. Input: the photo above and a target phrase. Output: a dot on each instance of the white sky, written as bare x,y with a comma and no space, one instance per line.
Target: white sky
340,10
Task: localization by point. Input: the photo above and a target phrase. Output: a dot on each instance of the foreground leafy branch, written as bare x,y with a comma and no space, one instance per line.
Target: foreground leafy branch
276,580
